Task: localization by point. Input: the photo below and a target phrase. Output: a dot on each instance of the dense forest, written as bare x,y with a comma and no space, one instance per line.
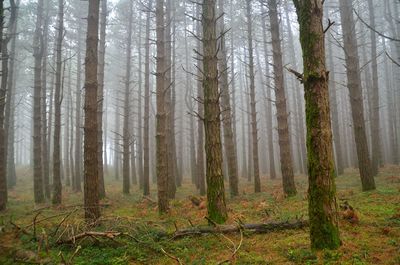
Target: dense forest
200,132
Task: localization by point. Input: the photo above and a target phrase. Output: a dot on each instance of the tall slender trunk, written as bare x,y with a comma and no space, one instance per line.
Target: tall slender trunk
10,102
375,111
334,111
78,124
356,99
200,124
146,131
45,135
91,178
230,150
161,117
57,186
100,95
168,100
323,214
67,161
189,103
216,206
283,126
139,155
268,100
37,93
298,99
126,134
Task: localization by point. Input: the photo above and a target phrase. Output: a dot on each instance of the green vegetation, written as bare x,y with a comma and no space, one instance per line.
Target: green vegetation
373,239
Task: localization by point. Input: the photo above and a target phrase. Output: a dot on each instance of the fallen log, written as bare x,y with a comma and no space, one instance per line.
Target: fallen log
260,228
72,240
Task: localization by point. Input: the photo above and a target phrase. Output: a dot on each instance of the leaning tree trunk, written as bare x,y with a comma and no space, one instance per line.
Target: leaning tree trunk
57,186
91,178
100,95
356,99
126,134
253,110
323,215
146,131
282,115
37,130
216,206
161,126
230,150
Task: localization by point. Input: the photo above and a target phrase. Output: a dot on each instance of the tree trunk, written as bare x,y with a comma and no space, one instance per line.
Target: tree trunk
127,99
268,100
375,111
146,131
322,207
356,99
299,99
37,130
334,111
216,206
57,186
91,179
78,124
200,124
161,126
139,155
283,127
10,98
230,150
100,95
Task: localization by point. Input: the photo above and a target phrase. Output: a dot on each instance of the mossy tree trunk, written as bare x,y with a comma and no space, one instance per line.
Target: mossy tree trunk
283,125
91,177
323,215
356,97
212,123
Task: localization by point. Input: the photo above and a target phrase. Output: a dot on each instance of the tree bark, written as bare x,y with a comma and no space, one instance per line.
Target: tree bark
323,215
126,135
253,110
161,117
100,95
283,126
91,179
356,99
268,100
216,206
146,131
230,150
375,111
10,97
78,124
37,130
57,186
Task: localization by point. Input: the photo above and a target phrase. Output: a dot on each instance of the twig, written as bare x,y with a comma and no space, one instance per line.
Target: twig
171,257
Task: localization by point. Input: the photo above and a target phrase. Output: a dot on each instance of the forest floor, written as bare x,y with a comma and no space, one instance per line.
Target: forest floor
33,234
